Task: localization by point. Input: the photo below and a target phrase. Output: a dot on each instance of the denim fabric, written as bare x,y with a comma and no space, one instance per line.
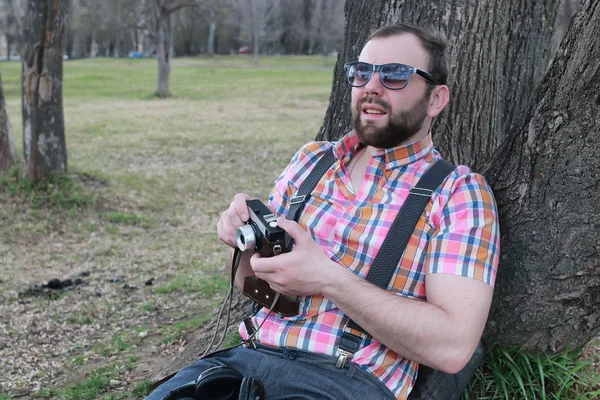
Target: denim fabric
287,374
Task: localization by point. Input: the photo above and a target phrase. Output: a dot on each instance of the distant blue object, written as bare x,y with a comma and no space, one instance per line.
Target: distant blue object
136,54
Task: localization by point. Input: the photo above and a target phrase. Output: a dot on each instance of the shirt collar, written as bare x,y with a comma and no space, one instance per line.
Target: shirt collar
392,157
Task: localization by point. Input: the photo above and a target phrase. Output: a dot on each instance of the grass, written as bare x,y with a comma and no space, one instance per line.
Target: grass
97,382
515,374
57,190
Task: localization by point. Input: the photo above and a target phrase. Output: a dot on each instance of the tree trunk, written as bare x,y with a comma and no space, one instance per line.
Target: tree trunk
8,155
44,144
547,184
164,38
498,51
212,27
255,22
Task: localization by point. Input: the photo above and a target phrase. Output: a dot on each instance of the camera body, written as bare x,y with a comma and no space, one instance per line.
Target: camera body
262,235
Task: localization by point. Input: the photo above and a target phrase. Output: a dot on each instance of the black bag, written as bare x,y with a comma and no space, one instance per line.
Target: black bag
436,385
220,383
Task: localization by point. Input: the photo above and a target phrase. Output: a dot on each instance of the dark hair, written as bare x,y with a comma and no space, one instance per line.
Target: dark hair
434,43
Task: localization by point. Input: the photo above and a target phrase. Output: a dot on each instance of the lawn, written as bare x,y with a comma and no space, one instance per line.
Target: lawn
133,225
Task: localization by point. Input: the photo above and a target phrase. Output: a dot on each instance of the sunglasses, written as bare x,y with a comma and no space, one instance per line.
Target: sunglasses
394,76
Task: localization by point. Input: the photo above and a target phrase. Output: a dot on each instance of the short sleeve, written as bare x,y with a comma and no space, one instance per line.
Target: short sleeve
466,241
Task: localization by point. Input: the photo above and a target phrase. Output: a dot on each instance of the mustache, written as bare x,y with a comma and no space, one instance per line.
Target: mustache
374,100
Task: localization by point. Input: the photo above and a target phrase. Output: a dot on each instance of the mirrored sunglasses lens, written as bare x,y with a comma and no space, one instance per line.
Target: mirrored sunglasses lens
359,73
395,76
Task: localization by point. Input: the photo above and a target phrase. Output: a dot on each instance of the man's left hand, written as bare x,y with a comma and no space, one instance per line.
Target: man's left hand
304,271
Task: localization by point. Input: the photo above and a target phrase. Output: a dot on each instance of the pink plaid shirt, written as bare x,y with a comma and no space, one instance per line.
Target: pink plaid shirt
458,235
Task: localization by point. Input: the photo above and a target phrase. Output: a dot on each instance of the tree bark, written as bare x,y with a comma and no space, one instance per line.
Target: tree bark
44,144
8,155
546,179
498,52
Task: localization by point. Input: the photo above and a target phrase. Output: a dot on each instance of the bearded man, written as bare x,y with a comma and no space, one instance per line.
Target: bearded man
435,307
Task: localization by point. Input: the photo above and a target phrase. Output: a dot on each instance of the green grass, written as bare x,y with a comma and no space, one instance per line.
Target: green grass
96,382
130,219
515,374
214,78
57,190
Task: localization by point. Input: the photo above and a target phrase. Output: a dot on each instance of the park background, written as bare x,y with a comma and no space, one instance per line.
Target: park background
109,271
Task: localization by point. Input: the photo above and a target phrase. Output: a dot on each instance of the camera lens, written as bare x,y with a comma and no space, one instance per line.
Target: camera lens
246,239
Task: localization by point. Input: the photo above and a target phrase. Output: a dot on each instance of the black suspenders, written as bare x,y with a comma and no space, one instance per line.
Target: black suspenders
395,242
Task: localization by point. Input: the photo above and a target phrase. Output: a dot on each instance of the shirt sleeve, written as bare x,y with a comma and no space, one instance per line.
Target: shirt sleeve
466,241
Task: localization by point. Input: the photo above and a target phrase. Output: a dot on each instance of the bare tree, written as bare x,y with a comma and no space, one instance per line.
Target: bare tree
11,15
259,19
8,156
329,26
43,121
160,26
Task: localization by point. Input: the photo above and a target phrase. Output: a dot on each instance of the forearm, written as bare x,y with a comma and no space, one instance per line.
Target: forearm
243,269
415,329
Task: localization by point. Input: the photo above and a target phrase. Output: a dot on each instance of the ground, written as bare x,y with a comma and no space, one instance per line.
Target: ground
108,273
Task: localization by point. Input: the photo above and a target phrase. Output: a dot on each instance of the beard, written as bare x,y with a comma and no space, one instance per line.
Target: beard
401,125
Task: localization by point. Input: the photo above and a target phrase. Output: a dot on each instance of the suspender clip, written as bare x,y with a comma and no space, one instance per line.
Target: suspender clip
298,199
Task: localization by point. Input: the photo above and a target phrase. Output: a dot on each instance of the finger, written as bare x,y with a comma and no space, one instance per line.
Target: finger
234,218
262,265
240,206
226,232
293,229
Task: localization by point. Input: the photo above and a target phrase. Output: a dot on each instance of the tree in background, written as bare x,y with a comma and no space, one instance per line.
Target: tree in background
545,172
42,106
8,156
11,19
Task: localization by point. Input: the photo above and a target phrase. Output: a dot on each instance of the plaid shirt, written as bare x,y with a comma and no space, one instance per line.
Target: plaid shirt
458,235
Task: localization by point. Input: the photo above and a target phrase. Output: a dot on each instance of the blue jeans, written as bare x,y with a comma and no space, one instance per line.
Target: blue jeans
287,373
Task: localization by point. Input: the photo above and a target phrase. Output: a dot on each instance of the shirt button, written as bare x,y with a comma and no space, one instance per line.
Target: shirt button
336,247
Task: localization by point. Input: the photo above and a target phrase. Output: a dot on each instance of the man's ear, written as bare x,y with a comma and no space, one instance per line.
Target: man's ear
439,98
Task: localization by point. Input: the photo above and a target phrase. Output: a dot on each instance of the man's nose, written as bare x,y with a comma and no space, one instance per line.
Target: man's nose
374,86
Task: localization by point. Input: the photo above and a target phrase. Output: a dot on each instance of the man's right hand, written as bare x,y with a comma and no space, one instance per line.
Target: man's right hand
235,216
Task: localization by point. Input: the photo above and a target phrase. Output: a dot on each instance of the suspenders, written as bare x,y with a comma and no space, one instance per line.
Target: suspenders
394,244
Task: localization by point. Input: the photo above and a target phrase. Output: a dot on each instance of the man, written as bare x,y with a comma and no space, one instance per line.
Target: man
436,306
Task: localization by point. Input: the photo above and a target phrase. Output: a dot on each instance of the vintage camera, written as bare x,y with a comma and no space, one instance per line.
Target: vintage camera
262,235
